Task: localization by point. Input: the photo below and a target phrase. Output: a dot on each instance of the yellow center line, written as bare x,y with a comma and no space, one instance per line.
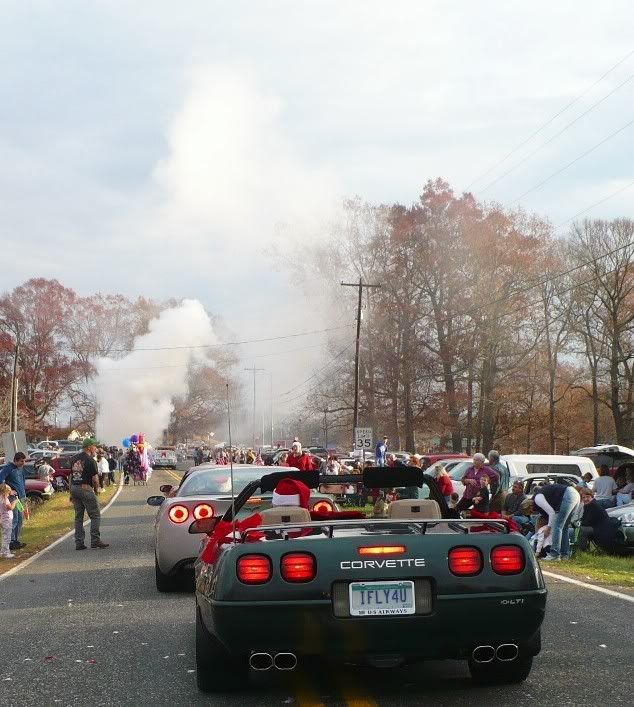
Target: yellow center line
354,693
172,474
304,692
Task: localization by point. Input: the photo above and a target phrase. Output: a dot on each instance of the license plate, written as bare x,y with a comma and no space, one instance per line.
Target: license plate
382,598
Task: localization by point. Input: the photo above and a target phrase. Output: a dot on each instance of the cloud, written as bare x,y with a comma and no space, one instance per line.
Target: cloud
230,176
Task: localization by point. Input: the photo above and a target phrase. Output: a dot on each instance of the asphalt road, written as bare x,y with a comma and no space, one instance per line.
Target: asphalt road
89,628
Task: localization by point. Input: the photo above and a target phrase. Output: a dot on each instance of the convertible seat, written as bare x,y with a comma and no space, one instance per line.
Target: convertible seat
406,508
285,514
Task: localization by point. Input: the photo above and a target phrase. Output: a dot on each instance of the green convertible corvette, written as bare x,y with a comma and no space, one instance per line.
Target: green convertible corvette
418,584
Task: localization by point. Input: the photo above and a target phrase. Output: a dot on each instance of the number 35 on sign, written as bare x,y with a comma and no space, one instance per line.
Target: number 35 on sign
363,437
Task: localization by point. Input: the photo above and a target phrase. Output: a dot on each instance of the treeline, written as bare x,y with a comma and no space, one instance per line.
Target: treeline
487,330
50,340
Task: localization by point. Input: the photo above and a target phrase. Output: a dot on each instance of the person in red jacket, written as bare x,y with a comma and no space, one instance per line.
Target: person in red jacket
300,459
445,484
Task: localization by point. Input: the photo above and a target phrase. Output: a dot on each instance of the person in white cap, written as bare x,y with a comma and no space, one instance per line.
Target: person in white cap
299,459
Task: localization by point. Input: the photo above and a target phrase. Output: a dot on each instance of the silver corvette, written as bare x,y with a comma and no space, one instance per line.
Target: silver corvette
204,492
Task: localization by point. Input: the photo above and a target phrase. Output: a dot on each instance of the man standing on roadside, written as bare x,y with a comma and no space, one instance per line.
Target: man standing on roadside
84,484
380,451
12,475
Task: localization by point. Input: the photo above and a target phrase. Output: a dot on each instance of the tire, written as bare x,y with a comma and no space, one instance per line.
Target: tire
216,670
35,499
166,582
501,672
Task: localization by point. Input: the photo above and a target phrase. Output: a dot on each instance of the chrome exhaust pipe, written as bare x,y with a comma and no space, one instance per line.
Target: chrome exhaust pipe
506,652
285,661
261,661
483,654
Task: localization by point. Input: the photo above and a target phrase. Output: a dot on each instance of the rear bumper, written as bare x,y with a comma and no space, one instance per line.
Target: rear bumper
456,625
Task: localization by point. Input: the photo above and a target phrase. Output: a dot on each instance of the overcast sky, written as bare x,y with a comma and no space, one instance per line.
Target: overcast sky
150,147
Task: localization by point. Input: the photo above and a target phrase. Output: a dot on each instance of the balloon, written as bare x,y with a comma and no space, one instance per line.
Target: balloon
126,442
141,438
134,439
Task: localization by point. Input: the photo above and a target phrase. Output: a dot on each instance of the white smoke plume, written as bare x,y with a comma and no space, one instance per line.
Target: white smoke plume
134,393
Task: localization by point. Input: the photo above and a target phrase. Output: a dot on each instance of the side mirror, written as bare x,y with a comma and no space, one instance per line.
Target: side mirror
204,525
155,500
165,488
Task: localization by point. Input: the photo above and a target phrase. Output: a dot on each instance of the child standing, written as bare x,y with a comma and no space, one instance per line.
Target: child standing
6,518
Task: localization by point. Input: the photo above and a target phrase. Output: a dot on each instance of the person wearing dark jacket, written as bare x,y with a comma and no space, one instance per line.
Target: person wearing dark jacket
596,525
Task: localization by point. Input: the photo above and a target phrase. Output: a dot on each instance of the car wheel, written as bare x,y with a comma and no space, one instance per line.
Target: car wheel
35,499
501,672
166,582
216,670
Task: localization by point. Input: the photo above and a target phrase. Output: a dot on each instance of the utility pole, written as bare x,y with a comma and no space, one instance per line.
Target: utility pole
271,401
360,285
326,411
255,372
13,427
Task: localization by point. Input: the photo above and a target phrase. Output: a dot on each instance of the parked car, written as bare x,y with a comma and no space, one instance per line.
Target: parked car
524,464
532,481
626,515
37,490
613,455
428,460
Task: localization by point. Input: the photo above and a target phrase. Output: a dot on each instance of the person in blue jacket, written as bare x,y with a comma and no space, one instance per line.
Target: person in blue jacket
13,475
380,452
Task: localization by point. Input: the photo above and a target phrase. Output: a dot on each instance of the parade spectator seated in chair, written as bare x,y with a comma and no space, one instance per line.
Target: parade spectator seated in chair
482,501
624,489
513,504
597,526
605,488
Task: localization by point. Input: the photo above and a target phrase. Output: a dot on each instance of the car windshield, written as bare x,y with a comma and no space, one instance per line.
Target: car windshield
459,470
214,482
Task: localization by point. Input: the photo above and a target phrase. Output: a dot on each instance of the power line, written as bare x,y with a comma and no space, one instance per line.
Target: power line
236,343
597,203
554,137
581,156
187,365
550,120
316,373
548,279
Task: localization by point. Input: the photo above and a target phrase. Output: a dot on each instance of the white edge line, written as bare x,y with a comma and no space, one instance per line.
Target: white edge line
28,561
609,592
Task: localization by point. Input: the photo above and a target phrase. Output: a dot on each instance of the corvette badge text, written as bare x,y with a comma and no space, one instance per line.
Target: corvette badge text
380,564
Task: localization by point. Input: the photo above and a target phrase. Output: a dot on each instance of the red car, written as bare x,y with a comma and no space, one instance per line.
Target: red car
37,490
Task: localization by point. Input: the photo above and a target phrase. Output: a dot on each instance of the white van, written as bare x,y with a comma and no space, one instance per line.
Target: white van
522,464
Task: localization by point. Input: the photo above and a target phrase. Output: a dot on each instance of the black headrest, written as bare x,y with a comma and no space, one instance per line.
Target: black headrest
269,481
376,477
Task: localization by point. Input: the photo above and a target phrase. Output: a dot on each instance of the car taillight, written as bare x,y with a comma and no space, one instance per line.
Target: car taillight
382,550
465,561
298,567
203,510
323,507
507,559
178,514
254,569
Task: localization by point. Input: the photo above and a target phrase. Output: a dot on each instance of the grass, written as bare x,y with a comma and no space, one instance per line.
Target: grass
49,521
598,567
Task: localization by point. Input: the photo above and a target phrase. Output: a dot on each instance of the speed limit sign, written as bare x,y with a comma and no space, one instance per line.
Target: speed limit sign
363,438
